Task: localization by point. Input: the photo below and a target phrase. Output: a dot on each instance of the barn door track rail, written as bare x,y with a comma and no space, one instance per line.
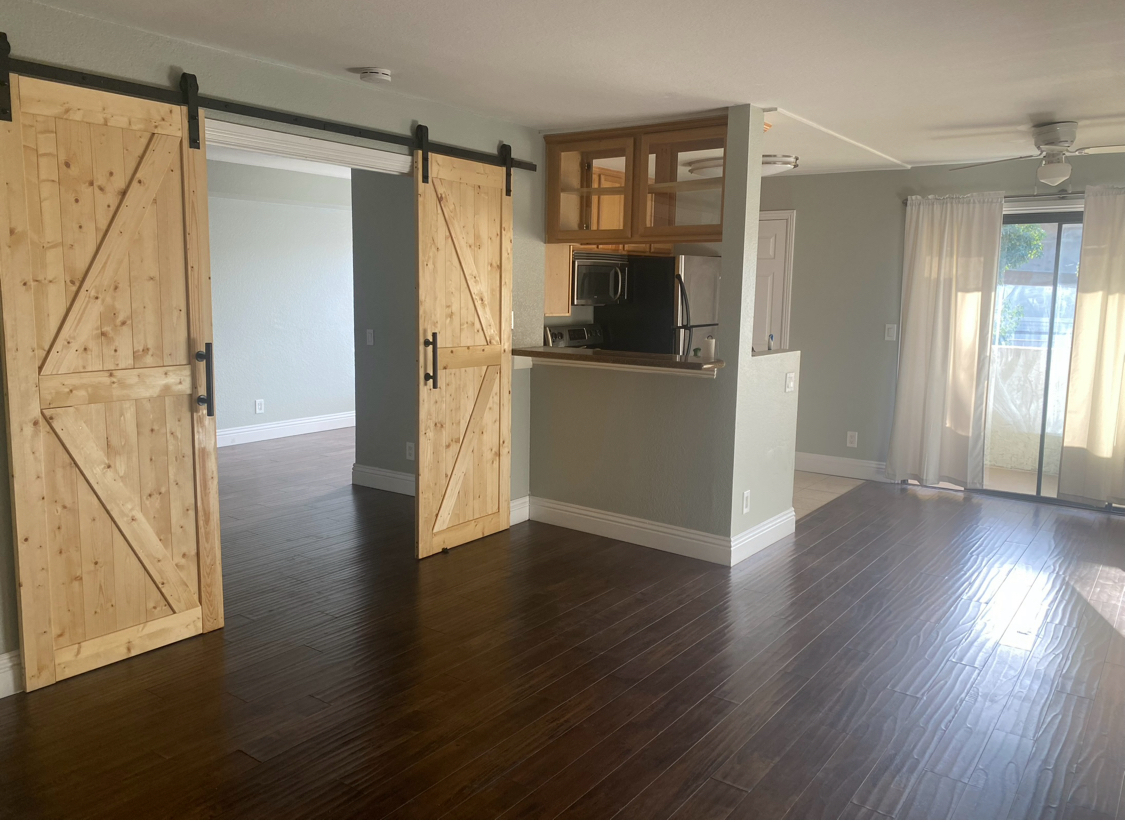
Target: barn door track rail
188,95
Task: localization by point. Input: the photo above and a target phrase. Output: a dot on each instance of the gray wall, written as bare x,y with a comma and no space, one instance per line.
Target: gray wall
385,276
673,449
45,34
385,271
847,283
281,278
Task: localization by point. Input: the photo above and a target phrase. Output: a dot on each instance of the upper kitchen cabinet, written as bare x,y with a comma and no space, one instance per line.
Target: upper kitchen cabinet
682,192
661,182
591,185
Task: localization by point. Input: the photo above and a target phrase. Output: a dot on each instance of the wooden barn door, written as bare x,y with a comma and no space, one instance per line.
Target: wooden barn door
464,298
106,298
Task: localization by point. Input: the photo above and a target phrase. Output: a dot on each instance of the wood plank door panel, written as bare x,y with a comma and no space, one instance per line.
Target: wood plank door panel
464,295
105,290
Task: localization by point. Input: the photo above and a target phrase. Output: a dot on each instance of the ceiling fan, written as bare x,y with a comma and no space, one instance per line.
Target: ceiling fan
1055,142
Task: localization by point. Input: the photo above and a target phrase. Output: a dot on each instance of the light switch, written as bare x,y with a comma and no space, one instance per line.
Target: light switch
259,406
370,336
891,332
790,382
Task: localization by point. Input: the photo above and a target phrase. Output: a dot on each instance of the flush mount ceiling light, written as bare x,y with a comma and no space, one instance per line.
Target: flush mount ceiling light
707,167
771,164
371,74
777,163
1054,170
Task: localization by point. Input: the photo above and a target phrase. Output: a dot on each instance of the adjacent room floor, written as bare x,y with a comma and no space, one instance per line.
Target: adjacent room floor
907,653
810,491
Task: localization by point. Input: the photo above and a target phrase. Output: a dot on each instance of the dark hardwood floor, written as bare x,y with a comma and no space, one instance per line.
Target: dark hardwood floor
907,653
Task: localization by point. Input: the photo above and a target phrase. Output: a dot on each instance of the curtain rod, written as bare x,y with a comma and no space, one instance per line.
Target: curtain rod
1048,196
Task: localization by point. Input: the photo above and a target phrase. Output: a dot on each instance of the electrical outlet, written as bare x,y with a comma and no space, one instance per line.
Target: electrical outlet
371,336
746,502
853,439
891,332
410,450
790,382
259,406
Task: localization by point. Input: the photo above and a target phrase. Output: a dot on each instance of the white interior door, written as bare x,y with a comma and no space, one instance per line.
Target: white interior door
771,298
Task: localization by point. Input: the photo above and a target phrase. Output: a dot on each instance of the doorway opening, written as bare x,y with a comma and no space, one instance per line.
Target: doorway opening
1032,329
306,295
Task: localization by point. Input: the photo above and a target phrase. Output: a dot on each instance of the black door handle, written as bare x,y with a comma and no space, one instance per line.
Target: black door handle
432,345
208,399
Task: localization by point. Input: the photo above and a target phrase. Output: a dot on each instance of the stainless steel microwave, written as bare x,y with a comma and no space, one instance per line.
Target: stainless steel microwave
600,279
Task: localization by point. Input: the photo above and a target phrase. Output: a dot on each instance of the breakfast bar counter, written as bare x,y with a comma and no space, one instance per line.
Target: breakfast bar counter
676,364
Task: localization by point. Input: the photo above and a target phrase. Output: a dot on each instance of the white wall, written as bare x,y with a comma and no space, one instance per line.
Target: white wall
281,268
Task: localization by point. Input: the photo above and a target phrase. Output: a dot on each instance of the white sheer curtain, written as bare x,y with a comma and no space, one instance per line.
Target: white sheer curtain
1093,459
950,268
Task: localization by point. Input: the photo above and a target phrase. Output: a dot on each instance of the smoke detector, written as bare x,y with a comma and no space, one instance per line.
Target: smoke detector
370,74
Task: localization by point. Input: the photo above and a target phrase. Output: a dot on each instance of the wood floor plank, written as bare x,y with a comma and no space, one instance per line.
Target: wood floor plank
906,652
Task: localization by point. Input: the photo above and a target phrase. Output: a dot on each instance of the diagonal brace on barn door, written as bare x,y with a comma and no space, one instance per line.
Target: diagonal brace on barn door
122,506
468,443
468,265
84,313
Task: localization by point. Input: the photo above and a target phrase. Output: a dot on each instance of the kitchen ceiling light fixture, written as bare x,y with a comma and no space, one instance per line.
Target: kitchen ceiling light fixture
1054,170
771,164
777,163
707,167
371,74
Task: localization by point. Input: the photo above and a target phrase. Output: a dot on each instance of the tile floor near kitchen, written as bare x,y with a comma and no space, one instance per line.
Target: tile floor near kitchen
810,491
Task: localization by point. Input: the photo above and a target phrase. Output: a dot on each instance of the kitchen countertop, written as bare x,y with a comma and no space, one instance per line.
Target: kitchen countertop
624,360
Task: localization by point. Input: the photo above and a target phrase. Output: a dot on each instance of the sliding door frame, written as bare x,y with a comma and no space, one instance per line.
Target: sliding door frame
1060,219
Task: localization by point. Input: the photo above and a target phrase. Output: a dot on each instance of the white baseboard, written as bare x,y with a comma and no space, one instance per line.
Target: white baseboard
11,673
285,428
397,482
842,467
762,535
674,539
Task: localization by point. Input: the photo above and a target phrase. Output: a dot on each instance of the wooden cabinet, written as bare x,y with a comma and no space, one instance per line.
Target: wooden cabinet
591,185
624,187
682,194
556,280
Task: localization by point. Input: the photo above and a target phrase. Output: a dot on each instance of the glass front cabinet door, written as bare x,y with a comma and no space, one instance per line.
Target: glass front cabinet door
679,187
591,189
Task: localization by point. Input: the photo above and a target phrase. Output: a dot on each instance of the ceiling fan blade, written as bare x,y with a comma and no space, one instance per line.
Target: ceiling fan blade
994,162
1099,150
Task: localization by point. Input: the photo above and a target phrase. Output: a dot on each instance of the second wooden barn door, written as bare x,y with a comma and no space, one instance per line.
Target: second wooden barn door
465,345
106,300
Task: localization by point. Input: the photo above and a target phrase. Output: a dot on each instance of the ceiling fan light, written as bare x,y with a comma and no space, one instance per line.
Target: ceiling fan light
1055,170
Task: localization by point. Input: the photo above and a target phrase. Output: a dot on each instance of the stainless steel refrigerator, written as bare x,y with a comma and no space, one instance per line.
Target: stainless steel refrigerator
672,306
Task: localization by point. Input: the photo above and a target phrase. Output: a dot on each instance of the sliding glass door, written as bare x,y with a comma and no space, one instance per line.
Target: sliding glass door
1031,336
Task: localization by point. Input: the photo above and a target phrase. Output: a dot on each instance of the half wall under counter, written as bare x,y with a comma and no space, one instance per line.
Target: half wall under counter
675,364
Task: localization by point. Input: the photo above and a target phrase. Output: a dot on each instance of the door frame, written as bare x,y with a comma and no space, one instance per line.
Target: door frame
262,140
790,218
